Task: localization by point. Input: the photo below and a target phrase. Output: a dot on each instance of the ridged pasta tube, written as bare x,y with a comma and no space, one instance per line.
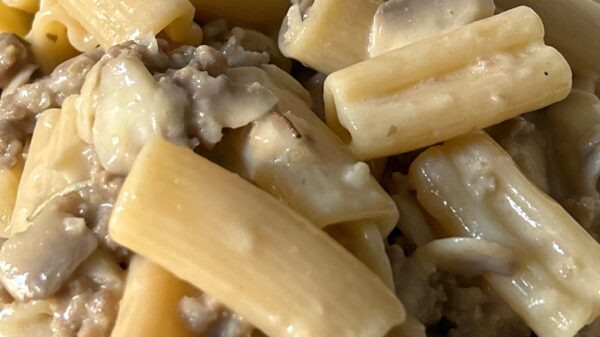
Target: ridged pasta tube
112,22
474,189
465,79
9,184
572,27
363,240
328,35
250,252
150,304
292,154
398,23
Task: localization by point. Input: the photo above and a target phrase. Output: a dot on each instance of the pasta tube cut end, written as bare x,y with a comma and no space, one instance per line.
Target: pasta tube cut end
150,304
268,264
9,184
264,15
465,79
328,35
474,189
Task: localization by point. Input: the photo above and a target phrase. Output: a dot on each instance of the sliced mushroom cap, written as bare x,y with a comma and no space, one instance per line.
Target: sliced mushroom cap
35,263
398,23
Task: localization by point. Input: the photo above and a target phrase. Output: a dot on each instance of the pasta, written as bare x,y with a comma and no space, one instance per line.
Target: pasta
14,20
219,168
488,198
57,163
261,257
150,305
442,89
49,37
9,183
265,15
342,26
305,166
114,22
364,241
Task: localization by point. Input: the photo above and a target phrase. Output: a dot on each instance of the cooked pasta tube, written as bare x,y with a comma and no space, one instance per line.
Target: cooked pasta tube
265,15
364,241
30,319
291,154
29,6
57,160
474,189
571,26
467,78
150,304
48,37
258,257
14,20
328,35
9,183
111,22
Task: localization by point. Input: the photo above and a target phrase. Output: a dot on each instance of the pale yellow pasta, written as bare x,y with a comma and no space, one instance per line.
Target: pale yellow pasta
330,34
9,183
150,304
265,15
49,38
26,319
56,162
111,22
29,6
14,20
364,241
474,189
465,79
246,249
294,156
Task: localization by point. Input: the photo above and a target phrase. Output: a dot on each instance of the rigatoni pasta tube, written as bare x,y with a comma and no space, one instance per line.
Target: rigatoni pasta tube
474,189
246,249
112,22
150,304
363,240
9,184
56,160
29,6
291,154
48,37
468,78
328,35
571,26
